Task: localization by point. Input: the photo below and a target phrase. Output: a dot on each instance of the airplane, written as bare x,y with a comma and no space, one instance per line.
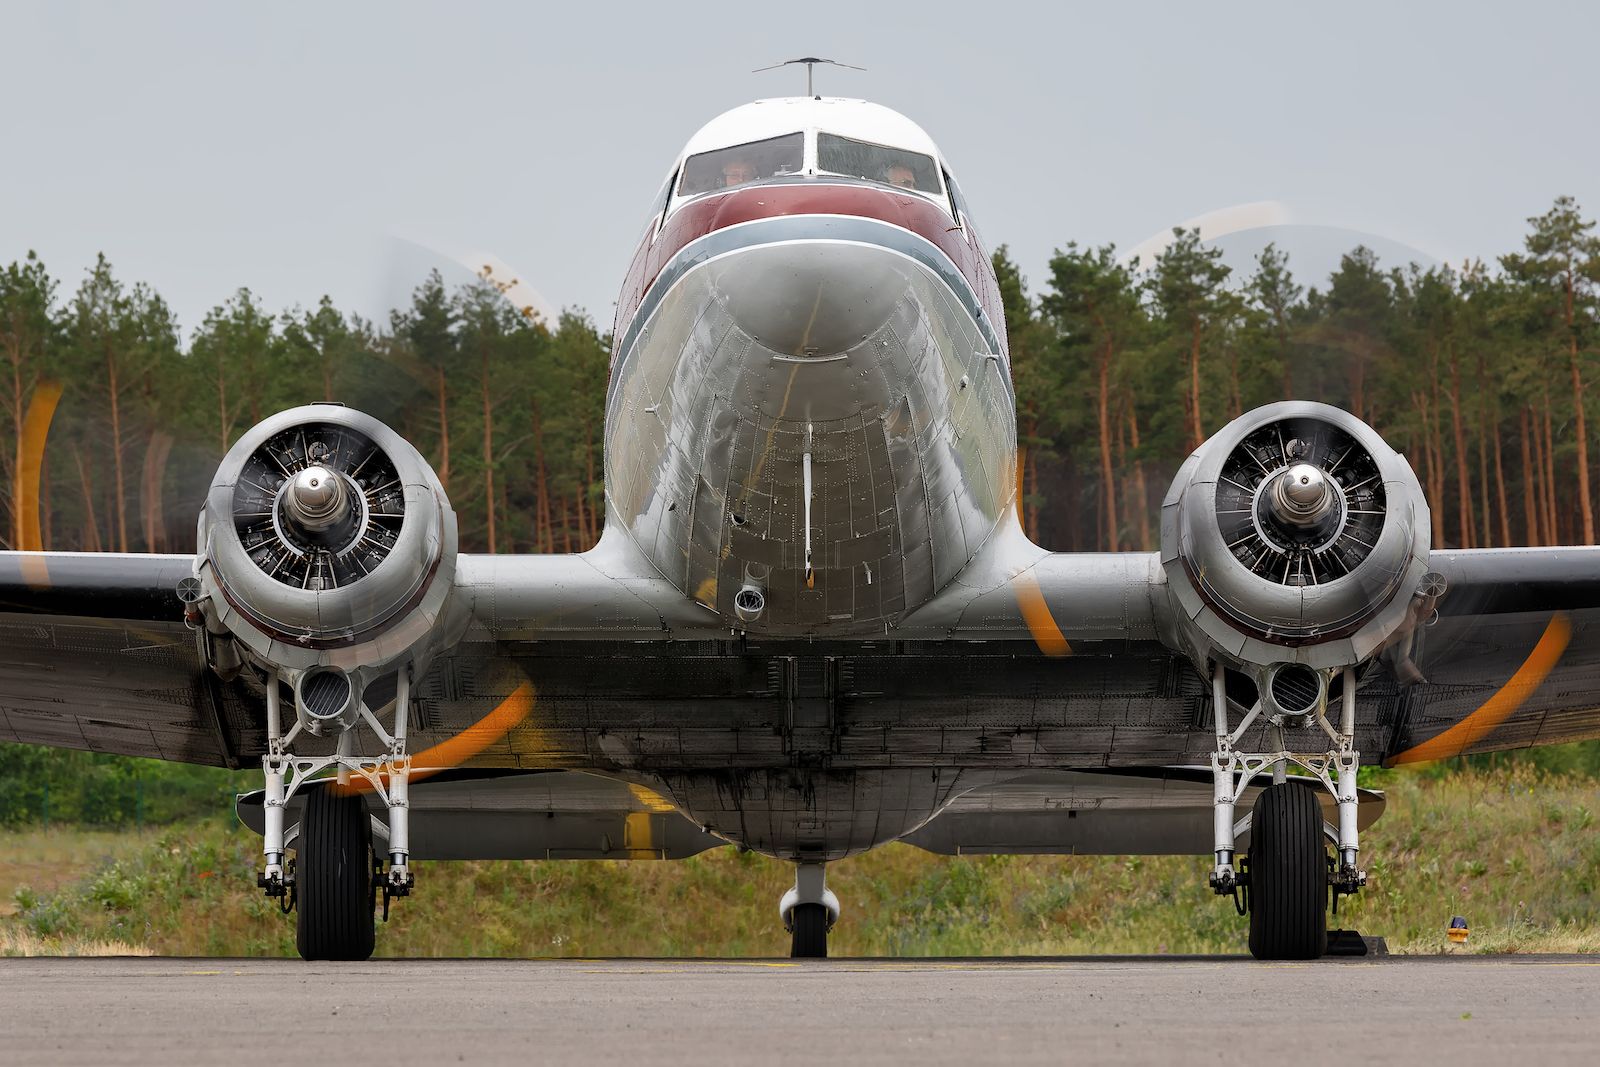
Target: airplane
813,624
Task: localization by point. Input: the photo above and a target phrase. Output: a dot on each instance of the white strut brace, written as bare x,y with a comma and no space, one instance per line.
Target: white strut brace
1232,772
389,776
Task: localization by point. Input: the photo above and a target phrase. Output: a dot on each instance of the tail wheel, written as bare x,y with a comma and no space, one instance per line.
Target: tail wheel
333,881
810,929
1288,875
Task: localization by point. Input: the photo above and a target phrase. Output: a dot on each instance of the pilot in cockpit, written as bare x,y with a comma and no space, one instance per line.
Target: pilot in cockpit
737,171
900,176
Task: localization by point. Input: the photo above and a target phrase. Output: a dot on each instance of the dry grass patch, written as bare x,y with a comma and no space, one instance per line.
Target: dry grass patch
15,941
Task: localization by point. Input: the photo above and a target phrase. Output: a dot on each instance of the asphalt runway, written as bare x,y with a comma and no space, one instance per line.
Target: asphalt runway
1456,1010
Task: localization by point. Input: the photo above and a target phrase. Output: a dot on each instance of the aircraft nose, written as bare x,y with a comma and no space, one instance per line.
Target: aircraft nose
811,299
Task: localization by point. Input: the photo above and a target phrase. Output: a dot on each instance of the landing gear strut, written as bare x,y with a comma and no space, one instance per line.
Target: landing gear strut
1286,879
336,876
809,911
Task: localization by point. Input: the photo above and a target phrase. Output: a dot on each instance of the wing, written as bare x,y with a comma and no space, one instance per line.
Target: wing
94,655
1512,659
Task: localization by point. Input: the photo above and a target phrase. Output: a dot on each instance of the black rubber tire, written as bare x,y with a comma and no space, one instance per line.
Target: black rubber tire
809,927
333,878
1288,866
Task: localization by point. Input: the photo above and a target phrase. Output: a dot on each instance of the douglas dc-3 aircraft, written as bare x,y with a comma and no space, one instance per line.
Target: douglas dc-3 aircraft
813,624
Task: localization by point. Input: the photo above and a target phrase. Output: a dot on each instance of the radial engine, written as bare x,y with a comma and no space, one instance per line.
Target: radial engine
1295,544
327,557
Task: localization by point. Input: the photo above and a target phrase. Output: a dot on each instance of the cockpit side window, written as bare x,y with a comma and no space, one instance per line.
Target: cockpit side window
663,198
877,163
728,167
958,204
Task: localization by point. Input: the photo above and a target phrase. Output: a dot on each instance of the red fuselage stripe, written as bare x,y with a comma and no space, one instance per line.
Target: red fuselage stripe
716,211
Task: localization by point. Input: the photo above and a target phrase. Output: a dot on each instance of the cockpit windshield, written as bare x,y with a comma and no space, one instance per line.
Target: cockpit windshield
728,167
878,163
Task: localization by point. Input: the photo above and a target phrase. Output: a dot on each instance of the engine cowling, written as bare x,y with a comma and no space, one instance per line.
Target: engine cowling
1294,541
327,555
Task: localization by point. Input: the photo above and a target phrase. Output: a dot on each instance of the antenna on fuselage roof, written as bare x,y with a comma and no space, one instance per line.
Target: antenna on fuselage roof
810,63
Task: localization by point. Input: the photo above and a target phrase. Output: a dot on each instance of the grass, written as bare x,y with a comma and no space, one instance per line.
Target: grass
45,859
1513,850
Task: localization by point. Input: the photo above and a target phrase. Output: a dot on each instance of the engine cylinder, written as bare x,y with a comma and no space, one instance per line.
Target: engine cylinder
1294,535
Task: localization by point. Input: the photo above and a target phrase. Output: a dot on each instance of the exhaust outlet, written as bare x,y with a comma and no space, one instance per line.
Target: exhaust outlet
751,599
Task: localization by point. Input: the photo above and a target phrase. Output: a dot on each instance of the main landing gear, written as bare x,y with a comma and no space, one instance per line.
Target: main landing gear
809,911
1285,882
337,874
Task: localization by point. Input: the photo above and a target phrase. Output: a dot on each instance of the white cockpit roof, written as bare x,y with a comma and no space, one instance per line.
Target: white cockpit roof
859,119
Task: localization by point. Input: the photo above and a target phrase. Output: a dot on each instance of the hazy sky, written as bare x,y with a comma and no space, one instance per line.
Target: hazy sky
301,149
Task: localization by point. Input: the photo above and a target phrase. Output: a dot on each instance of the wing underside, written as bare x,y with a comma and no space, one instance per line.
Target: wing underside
93,655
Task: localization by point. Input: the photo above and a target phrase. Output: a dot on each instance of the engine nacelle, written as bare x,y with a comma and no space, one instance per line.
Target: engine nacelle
1293,541
327,555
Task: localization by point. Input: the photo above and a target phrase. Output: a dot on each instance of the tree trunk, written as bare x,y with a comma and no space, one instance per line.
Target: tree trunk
1436,431
1585,506
1530,490
1485,514
1432,464
1288,361
1464,521
442,394
1031,484
1142,490
1108,485
566,527
91,540
222,408
1197,427
488,451
585,507
505,509
1358,383
152,485
116,452
1500,490
1541,490
1552,533
46,519
14,354
583,521
1235,396
543,536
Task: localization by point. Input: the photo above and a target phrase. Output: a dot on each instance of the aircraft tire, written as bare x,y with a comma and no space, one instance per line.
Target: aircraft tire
333,890
810,932
1288,875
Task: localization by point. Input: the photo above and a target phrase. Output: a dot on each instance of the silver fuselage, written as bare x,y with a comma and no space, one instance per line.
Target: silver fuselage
850,340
